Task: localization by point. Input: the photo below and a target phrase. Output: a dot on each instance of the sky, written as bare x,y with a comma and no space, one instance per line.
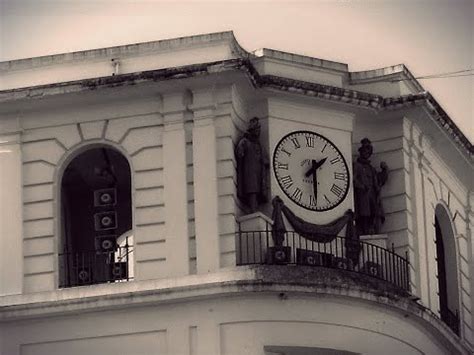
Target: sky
428,36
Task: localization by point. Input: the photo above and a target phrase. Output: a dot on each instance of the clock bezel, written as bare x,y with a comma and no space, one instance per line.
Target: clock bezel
337,150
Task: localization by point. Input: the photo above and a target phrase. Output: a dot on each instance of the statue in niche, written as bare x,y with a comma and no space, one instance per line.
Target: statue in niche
369,213
251,167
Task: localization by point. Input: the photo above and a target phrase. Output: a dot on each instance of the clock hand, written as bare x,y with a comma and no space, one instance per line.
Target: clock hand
314,165
312,169
319,163
315,186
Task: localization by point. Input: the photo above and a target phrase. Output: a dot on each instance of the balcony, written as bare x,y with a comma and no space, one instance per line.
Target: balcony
256,247
95,267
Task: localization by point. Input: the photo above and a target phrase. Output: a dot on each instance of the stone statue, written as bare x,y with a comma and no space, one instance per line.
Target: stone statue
251,167
369,214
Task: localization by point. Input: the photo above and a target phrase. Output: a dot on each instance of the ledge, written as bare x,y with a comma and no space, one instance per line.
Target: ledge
242,281
375,103
231,281
238,281
301,59
123,51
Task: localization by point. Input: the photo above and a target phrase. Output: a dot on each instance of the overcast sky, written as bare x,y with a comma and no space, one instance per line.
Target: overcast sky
430,36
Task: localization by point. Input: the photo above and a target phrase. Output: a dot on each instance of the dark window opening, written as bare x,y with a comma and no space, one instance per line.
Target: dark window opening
96,219
448,315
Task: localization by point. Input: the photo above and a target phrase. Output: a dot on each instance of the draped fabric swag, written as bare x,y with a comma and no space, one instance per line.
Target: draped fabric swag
320,233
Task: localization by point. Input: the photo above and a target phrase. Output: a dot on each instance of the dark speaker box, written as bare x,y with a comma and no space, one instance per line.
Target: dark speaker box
106,243
342,263
84,275
279,255
105,220
119,271
313,258
372,269
105,197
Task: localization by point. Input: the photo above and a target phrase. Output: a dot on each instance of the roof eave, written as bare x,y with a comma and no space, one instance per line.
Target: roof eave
324,92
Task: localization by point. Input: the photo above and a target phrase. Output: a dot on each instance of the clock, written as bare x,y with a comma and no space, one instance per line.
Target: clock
311,170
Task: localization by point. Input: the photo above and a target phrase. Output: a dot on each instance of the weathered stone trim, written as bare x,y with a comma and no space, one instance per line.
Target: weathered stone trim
325,92
307,281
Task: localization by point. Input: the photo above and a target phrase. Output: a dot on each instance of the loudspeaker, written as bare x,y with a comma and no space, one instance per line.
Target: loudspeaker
105,197
105,220
279,255
119,271
84,275
106,243
372,269
342,263
313,258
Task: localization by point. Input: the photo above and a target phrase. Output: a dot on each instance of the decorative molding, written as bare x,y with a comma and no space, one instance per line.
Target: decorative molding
125,51
369,101
296,282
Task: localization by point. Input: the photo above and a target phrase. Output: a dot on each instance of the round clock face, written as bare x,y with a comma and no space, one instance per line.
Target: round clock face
311,170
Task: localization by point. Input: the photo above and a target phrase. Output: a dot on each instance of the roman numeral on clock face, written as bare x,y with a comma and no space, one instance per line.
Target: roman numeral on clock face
336,190
310,142
340,176
286,182
281,166
312,200
297,195
335,160
296,143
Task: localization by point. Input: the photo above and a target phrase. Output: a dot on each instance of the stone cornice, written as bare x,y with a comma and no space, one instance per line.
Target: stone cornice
126,51
231,282
393,73
364,100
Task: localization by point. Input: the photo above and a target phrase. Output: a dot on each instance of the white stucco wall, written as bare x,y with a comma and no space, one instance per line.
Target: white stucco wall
434,183
11,253
48,148
227,326
181,150
419,180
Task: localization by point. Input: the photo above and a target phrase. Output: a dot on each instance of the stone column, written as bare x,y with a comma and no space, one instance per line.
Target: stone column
175,186
418,210
205,184
207,337
429,263
11,252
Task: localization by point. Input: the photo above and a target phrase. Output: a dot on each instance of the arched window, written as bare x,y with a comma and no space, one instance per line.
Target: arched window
96,218
447,269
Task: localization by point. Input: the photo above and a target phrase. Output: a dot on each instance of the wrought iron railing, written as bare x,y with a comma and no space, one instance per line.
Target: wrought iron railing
94,267
451,319
256,247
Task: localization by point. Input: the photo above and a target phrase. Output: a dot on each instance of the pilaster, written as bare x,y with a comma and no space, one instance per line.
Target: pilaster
205,184
429,238
175,186
208,337
417,199
11,252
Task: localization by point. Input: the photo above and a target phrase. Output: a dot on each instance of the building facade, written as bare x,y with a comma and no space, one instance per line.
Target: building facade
124,231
